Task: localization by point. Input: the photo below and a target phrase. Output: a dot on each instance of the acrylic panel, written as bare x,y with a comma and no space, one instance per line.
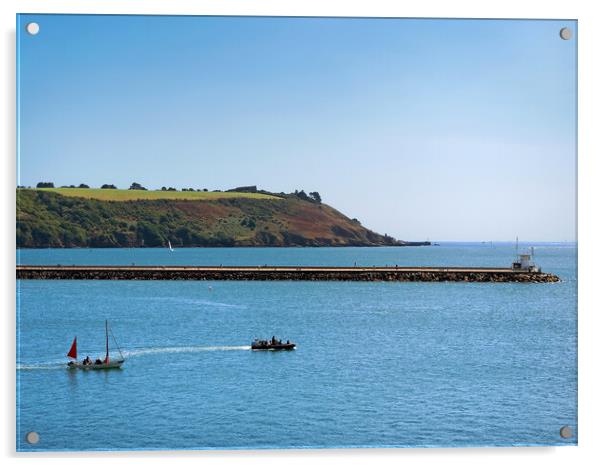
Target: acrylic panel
287,232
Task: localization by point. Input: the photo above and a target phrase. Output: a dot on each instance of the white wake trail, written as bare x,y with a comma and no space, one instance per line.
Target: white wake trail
48,366
182,349
57,364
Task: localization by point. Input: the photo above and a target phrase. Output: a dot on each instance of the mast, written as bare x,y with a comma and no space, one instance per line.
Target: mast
116,344
107,340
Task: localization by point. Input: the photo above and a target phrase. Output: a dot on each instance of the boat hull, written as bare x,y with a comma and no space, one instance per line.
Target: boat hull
276,347
95,367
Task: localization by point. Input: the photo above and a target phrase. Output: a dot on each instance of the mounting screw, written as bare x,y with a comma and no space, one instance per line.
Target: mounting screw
32,437
566,432
32,28
566,34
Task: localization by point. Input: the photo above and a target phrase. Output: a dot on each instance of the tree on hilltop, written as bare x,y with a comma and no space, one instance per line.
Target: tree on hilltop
137,186
316,197
302,195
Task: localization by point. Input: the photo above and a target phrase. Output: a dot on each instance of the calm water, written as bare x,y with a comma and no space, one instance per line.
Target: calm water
377,364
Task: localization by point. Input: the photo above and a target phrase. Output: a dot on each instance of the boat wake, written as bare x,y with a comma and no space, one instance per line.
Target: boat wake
193,302
182,349
62,365
47,366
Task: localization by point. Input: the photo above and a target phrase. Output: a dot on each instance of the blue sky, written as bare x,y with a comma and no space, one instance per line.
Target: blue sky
439,129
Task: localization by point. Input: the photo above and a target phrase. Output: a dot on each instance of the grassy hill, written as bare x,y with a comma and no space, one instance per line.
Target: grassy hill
73,217
140,195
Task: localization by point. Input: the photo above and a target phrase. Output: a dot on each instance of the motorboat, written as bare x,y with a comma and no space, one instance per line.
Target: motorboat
272,345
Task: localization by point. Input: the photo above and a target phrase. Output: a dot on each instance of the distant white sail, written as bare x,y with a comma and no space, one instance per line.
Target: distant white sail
169,244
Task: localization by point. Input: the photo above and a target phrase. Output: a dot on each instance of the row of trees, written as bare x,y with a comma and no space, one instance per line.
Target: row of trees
311,197
163,188
50,184
135,186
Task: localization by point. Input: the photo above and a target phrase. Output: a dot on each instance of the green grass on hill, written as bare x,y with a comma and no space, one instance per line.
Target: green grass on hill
134,195
47,218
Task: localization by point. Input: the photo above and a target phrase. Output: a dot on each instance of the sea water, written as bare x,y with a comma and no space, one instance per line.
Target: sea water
377,364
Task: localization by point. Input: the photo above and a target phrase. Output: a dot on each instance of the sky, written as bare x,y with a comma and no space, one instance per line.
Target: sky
448,130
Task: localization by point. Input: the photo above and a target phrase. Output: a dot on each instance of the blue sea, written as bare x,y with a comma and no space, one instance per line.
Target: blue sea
377,364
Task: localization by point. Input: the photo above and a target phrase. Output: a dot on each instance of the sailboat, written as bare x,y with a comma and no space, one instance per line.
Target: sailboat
87,364
169,245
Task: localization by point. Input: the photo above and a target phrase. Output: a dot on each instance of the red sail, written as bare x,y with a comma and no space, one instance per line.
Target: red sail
73,351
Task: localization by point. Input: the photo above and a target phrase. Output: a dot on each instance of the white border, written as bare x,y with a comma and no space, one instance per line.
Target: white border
590,235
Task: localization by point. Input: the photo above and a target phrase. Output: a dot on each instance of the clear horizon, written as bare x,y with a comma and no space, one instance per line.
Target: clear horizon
421,129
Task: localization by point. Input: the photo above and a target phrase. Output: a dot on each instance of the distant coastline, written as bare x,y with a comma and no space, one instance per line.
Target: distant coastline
80,217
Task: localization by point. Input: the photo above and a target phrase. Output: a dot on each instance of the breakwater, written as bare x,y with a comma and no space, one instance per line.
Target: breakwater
263,273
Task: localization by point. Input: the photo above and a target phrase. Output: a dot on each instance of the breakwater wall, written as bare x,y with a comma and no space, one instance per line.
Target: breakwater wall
268,273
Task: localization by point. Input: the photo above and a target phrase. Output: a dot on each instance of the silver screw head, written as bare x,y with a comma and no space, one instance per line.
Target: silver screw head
32,28
566,34
32,437
566,432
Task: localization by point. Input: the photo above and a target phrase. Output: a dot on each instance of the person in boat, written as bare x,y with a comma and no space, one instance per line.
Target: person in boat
97,362
87,361
273,339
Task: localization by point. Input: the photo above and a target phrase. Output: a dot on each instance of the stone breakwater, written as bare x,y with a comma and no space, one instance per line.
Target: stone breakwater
268,273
